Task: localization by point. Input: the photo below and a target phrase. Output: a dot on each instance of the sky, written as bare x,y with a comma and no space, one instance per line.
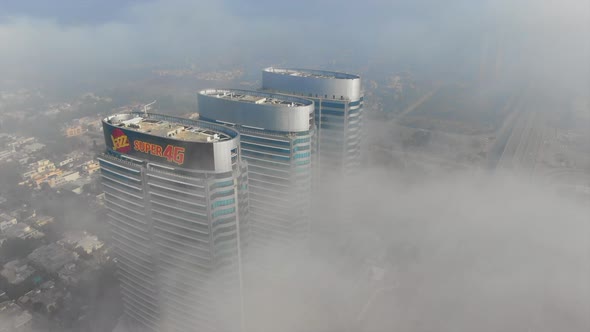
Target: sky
538,37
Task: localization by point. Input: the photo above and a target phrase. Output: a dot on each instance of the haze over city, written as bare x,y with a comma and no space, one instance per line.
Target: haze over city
295,165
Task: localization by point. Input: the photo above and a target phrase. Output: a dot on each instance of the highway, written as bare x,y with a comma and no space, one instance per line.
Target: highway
505,132
520,139
519,148
418,103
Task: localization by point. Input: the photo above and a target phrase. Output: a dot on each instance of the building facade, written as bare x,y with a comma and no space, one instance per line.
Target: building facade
338,102
276,133
176,191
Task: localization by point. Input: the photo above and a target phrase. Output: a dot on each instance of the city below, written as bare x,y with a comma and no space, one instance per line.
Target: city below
283,173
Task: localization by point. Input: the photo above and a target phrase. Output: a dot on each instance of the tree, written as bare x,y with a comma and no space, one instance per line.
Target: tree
39,307
419,138
87,188
17,248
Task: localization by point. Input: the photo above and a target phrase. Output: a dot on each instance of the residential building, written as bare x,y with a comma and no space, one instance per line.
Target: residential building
91,167
78,274
81,240
22,231
6,153
63,178
48,295
74,131
17,271
44,165
33,147
65,162
40,221
14,319
51,258
40,178
6,221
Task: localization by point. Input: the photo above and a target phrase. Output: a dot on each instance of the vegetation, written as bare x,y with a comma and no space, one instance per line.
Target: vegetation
17,248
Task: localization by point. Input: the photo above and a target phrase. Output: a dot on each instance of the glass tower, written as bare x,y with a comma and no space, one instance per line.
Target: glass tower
338,113
177,199
276,133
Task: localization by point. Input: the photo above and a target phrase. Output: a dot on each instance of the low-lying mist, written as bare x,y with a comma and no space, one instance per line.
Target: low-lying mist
400,252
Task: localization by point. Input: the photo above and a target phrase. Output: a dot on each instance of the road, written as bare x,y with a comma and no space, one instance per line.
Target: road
419,102
505,132
519,141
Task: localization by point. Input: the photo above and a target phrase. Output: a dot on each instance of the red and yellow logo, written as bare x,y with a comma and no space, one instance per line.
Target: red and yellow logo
120,141
172,153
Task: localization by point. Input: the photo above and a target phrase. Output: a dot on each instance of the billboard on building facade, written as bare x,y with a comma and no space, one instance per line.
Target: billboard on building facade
161,150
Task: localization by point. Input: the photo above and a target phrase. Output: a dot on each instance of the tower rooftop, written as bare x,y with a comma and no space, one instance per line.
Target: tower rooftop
167,127
256,97
320,74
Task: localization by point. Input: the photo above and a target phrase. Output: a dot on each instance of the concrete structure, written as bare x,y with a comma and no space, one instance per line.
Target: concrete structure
91,167
51,258
48,295
63,178
276,140
6,221
44,165
65,162
79,274
40,221
32,148
39,178
17,271
22,231
81,240
338,112
74,131
6,154
23,213
14,319
176,192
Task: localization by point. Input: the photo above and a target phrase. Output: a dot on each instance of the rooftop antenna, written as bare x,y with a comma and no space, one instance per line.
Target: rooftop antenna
148,107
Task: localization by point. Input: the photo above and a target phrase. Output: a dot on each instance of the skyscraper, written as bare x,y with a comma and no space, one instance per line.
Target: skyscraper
176,194
338,113
276,135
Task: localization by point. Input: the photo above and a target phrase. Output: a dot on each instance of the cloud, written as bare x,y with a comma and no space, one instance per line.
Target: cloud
69,12
462,252
542,39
